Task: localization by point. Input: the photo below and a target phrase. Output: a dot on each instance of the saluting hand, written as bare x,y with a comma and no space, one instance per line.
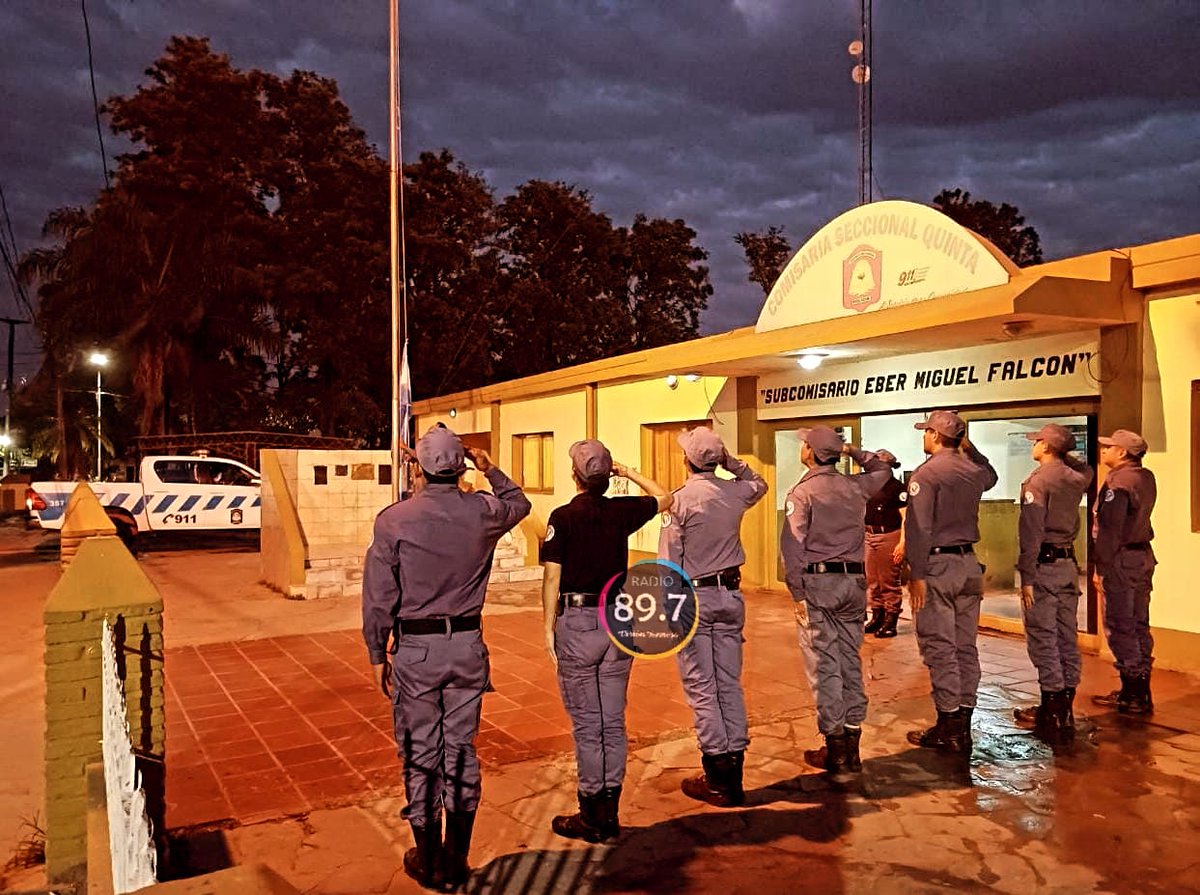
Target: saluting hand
620,469
916,594
480,458
1027,596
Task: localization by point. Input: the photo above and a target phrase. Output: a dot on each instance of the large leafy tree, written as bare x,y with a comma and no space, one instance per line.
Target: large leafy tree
766,254
564,290
666,281
1003,224
238,266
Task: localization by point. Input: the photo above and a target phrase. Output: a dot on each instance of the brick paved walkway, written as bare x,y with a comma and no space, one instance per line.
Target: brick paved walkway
267,728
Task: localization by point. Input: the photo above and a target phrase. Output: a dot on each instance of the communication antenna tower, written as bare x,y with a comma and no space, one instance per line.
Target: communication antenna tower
860,74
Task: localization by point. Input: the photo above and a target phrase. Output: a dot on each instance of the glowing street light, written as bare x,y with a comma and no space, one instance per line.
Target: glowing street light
99,360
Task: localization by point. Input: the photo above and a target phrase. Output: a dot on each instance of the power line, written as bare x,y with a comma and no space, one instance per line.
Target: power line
87,30
11,254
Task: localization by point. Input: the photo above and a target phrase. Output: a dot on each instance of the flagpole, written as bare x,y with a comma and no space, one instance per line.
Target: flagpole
394,171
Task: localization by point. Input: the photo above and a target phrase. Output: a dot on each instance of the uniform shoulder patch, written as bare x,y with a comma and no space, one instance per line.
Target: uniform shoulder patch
549,532
1109,495
914,487
666,519
903,496
1029,497
790,508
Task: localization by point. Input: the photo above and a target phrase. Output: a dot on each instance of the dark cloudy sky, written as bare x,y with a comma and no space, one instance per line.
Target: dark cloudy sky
731,114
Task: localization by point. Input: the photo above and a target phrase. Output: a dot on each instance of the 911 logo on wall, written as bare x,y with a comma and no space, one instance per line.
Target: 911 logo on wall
235,517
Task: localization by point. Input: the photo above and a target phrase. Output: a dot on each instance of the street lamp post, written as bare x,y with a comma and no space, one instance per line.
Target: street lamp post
99,360
5,444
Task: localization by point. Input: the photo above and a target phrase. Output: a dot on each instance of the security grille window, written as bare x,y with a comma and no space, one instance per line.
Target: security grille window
533,462
662,457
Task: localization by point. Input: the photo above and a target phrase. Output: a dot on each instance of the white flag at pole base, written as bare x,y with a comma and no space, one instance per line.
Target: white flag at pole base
404,389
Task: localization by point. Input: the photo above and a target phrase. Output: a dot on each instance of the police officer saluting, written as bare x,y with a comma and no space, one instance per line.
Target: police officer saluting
1050,577
587,544
424,579
1125,567
701,535
822,548
885,552
946,581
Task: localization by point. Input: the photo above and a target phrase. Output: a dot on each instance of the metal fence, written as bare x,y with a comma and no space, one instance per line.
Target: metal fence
131,840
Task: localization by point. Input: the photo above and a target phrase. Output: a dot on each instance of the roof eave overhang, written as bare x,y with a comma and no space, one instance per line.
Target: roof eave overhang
1042,302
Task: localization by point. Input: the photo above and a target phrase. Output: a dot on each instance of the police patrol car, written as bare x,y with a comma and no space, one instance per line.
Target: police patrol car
174,492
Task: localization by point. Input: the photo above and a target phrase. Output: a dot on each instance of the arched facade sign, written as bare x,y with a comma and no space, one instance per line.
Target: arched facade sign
881,255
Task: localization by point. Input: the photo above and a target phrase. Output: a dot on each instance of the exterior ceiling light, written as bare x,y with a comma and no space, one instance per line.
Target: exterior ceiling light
453,412
810,360
672,381
692,377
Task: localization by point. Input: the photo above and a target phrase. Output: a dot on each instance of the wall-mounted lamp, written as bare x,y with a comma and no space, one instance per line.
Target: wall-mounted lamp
1014,328
692,377
810,360
453,412
672,381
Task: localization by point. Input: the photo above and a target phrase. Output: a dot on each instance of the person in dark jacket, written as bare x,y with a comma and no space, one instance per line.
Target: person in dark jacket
587,544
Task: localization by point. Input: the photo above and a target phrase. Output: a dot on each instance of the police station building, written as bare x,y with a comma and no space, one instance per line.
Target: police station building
889,311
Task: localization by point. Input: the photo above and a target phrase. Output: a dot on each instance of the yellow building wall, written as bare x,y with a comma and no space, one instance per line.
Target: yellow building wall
465,421
564,415
622,410
1172,362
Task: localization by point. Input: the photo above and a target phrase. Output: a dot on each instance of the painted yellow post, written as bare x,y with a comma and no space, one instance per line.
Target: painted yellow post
84,519
103,581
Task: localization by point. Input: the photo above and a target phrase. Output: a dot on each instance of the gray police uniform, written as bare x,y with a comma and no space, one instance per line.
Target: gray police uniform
822,544
1125,561
1048,526
941,527
701,535
430,560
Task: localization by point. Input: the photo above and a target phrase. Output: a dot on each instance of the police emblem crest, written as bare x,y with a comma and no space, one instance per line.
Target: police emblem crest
862,278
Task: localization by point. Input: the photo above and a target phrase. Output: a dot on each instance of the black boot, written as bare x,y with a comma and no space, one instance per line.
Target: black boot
586,824
1050,717
877,616
1070,703
832,757
853,738
1139,702
888,628
952,733
713,786
459,825
1118,699
610,823
423,861
737,761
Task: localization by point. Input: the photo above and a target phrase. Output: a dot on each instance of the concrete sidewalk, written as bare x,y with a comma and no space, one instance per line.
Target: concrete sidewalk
1118,814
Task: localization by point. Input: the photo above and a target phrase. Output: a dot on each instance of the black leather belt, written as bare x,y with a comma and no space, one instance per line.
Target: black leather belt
952,548
836,568
1053,552
730,578
1138,545
881,529
445,625
577,600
